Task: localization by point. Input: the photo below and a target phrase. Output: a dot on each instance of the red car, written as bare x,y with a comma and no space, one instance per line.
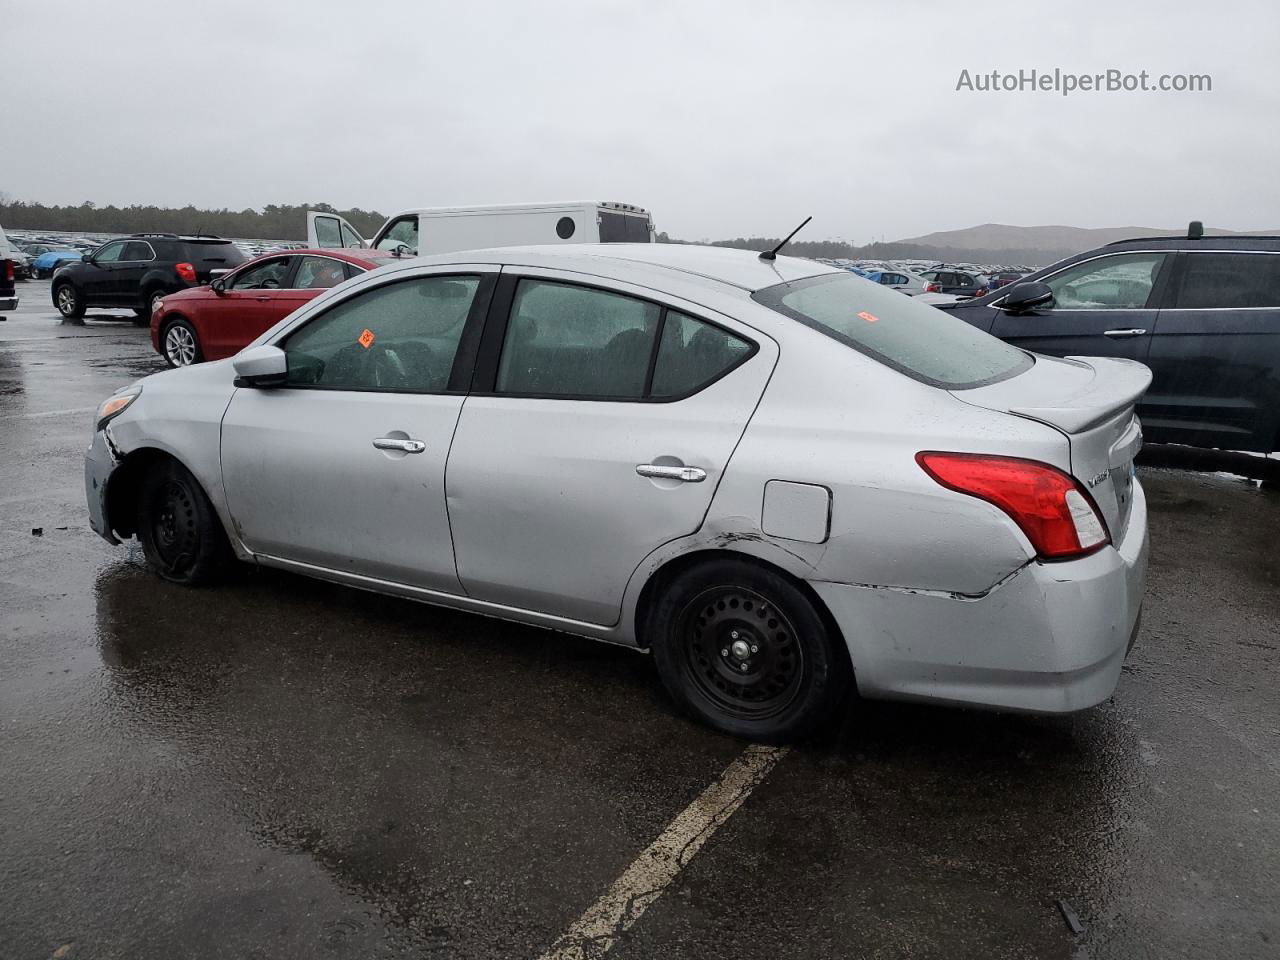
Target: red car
219,320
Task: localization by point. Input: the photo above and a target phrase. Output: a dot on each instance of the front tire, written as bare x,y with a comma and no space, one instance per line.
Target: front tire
68,301
180,344
743,649
181,534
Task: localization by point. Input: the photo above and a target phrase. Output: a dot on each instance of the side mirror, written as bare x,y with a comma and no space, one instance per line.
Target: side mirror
1026,296
219,286
260,366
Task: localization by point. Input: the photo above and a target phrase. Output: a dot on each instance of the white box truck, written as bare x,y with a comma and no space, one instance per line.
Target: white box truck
446,229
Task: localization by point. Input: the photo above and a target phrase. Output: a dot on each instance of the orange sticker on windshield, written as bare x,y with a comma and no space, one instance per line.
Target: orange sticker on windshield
869,317
366,338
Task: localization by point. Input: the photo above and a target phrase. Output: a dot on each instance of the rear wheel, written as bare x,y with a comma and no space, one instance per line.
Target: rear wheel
181,345
181,534
68,301
743,649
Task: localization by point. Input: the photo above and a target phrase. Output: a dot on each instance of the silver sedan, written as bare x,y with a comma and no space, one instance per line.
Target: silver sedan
783,480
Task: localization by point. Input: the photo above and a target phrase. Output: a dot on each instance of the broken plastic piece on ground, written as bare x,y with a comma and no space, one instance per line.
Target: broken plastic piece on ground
1069,915
37,531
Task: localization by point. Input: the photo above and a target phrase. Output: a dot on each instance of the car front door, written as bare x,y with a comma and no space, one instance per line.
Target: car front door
598,428
343,467
135,260
252,300
97,274
1103,307
1215,353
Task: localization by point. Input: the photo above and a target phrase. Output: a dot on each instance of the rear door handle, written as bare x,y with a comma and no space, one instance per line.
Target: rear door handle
394,443
661,472
1122,334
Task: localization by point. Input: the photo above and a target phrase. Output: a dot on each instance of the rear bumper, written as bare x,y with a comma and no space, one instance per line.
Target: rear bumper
8,303
1051,639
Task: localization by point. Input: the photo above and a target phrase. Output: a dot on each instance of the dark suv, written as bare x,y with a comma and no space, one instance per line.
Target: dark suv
137,271
1202,312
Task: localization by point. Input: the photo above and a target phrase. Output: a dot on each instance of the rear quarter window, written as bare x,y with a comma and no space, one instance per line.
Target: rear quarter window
923,342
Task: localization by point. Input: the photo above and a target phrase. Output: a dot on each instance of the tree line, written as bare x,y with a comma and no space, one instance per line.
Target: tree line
272,222
289,222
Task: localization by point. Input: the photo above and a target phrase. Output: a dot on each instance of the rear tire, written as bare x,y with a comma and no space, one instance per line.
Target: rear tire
68,301
148,307
180,344
180,532
743,649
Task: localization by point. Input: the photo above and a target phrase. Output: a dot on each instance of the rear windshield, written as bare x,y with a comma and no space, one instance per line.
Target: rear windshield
224,253
921,341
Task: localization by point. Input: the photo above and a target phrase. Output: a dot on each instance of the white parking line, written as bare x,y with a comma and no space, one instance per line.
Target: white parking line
642,883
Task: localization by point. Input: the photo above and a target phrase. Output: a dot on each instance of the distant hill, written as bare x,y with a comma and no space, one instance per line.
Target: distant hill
1037,245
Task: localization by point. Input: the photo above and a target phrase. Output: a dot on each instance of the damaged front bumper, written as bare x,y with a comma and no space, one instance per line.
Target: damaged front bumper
100,461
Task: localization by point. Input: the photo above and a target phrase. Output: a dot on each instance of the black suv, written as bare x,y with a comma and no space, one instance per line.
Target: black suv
137,271
1202,312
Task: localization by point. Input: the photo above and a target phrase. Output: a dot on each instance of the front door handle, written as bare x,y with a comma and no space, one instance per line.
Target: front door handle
263,299
662,472
1122,334
394,443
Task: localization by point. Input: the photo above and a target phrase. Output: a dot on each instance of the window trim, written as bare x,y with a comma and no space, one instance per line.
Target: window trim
460,373
489,358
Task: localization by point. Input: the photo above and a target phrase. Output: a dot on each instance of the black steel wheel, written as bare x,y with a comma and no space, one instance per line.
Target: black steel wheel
742,647
181,534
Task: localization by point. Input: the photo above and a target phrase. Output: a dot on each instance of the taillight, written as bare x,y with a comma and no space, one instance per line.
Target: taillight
8,269
932,287
187,272
1051,508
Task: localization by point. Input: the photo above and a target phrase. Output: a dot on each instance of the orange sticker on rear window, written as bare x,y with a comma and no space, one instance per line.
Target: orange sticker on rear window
366,338
869,317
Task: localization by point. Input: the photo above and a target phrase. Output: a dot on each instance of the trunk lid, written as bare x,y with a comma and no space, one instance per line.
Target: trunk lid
1091,400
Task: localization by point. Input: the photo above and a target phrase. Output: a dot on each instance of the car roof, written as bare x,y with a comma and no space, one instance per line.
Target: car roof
360,257
736,268
1235,241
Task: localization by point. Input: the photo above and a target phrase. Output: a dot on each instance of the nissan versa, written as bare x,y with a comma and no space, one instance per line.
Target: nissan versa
780,478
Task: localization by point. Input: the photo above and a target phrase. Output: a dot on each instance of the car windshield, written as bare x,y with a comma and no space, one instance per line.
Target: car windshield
921,341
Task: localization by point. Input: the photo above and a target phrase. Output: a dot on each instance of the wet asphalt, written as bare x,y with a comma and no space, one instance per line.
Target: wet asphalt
282,768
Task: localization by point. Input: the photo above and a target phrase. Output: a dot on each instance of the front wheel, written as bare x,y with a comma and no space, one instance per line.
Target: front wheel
181,534
180,345
743,649
68,301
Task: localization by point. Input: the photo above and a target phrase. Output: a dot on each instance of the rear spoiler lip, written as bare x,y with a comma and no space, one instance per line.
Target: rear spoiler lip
1125,381
1136,378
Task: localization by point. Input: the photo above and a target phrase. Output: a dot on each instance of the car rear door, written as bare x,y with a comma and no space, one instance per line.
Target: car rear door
1215,353
1102,307
343,468
599,426
135,260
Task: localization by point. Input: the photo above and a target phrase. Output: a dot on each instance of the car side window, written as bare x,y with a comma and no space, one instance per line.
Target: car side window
350,240
568,341
110,253
1121,282
327,232
1229,280
402,236
318,272
136,250
399,337
692,354
268,275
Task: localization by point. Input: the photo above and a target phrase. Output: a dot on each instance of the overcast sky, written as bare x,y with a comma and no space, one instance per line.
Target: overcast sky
723,119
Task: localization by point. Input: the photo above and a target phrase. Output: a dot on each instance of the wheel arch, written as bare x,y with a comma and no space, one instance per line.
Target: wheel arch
125,484
666,573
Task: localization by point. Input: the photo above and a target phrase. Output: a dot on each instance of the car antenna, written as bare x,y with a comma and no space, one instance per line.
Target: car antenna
773,254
